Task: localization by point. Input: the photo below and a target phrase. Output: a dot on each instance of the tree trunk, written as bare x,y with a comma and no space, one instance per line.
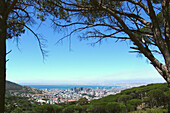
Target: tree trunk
2,71
168,80
2,55
168,76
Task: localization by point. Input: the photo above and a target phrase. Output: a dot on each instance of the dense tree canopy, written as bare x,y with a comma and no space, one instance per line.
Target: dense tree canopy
115,107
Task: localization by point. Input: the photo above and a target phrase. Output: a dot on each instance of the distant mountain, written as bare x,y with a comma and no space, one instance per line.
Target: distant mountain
14,87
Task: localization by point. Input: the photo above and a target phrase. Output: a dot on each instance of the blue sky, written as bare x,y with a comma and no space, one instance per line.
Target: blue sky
109,62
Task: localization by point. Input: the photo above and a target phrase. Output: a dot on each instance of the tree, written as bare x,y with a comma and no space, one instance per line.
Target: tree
156,97
134,102
82,101
96,108
47,109
124,99
17,110
115,107
15,17
72,109
167,94
146,23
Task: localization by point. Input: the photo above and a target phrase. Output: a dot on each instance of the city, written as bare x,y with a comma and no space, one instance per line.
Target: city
56,96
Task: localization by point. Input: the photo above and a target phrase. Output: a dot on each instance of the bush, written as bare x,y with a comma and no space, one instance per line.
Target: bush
47,109
96,109
72,109
115,107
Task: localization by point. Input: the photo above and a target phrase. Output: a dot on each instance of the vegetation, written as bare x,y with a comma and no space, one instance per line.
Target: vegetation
15,17
12,86
14,104
145,23
115,107
152,98
47,109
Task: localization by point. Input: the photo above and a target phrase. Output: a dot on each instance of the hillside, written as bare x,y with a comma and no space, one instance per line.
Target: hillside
12,87
153,98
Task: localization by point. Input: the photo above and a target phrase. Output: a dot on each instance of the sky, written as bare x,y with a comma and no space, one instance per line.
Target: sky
104,63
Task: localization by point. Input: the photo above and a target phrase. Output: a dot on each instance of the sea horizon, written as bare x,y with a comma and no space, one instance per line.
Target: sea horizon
93,84
71,86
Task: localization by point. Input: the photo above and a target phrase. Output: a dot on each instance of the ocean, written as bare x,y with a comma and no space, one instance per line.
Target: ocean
69,86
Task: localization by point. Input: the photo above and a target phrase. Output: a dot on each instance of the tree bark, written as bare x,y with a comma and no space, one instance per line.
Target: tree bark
2,72
168,76
2,55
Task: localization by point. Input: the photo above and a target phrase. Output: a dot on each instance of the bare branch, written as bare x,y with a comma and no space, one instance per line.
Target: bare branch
44,53
8,52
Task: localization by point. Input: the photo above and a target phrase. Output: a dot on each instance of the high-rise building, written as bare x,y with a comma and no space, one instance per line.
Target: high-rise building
81,88
97,89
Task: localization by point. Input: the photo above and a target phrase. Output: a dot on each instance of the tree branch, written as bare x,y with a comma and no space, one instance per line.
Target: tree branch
11,7
39,42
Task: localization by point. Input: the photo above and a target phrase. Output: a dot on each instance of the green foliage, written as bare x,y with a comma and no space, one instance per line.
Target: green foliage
72,109
167,93
97,108
17,104
156,97
12,86
47,109
85,108
152,110
115,107
82,101
72,103
130,107
135,102
17,110
15,28
124,98
135,96
18,17
41,17
110,98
